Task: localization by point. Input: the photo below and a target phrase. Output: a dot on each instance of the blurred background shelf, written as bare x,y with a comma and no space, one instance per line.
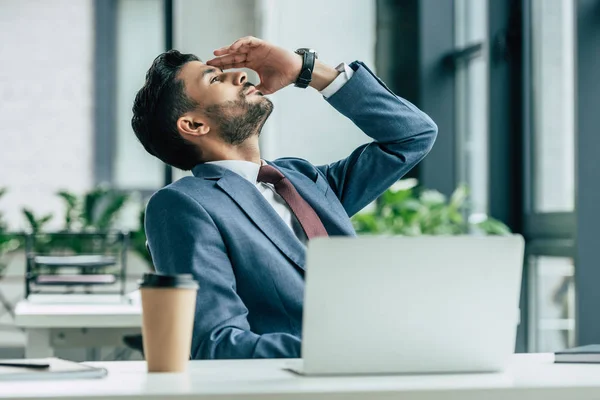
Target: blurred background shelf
81,261
75,280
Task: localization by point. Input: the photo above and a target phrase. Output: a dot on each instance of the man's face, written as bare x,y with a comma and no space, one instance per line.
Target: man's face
234,108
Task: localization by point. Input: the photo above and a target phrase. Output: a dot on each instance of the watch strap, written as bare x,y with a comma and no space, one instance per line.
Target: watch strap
308,65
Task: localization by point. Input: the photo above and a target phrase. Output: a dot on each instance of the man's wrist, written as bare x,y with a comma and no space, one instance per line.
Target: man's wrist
323,75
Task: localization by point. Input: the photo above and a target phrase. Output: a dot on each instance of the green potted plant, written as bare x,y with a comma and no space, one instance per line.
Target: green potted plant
96,210
8,241
406,209
36,226
87,230
89,222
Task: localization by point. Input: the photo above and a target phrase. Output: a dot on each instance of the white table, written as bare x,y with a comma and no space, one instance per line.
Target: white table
82,322
529,377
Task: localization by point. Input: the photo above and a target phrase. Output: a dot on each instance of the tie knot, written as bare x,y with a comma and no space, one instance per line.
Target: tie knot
269,174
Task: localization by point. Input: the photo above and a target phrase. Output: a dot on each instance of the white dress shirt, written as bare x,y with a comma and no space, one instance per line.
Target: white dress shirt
249,170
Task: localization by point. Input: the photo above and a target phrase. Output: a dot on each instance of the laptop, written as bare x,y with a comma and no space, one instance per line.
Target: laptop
429,304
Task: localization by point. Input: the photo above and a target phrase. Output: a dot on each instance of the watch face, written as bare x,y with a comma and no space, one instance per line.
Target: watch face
303,50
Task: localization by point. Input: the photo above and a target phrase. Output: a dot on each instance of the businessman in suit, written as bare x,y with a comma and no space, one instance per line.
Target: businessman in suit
240,225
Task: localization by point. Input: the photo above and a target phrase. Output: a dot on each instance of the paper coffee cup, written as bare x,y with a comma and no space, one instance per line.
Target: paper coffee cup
168,306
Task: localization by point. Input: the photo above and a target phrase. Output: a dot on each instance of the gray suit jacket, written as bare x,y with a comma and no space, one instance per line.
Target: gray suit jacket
217,226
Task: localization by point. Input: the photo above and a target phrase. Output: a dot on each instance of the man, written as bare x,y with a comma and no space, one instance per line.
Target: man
240,224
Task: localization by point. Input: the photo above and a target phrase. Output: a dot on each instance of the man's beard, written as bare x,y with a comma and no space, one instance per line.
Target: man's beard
237,120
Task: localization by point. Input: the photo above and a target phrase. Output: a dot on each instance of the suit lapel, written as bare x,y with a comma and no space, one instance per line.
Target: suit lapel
263,215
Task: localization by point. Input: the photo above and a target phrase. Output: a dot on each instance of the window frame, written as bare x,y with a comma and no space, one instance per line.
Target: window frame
105,77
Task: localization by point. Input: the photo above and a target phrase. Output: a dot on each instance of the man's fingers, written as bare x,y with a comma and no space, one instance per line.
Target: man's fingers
249,41
221,49
236,65
242,49
226,66
244,44
228,59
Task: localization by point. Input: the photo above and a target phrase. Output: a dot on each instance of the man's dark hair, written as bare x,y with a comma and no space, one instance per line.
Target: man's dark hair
157,107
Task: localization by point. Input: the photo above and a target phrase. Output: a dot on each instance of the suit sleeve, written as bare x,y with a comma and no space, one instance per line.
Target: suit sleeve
184,239
403,135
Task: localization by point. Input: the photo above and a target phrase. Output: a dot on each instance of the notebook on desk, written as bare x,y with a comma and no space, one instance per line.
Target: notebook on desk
46,369
584,354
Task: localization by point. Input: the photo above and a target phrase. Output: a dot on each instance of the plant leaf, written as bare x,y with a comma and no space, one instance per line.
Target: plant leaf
459,196
69,198
432,198
33,224
110,213
404,185
71,205
36,224
90,203
492,226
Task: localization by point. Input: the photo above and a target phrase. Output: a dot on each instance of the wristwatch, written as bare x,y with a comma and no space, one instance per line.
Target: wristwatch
308,65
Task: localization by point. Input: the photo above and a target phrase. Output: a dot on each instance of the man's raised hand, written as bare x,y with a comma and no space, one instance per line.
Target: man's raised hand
276,67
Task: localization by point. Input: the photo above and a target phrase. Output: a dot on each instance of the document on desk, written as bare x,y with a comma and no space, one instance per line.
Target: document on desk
46,369
589,354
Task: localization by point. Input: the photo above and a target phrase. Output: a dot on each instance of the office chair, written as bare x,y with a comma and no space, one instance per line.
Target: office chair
136,342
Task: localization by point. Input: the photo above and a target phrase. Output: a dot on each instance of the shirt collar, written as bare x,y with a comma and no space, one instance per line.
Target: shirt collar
246,169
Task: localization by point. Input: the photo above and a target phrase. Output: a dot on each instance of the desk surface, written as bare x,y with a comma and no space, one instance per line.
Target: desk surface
530,377
88,314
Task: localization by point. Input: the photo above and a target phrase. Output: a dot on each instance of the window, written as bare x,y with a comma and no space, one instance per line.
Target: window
553,105
552,299
471,103
550,173
140,38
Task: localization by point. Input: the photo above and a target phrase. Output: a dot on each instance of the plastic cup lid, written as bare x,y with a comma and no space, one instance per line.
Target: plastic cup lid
180,281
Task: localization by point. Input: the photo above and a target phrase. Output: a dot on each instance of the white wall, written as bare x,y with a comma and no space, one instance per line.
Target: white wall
202,26
45,102
302,124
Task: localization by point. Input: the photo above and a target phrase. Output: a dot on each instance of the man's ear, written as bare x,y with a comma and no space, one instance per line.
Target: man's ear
191,125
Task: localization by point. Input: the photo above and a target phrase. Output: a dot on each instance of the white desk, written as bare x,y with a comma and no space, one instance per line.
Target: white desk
83,323
530,377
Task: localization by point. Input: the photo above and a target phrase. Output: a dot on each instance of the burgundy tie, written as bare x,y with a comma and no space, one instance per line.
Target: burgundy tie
308,218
